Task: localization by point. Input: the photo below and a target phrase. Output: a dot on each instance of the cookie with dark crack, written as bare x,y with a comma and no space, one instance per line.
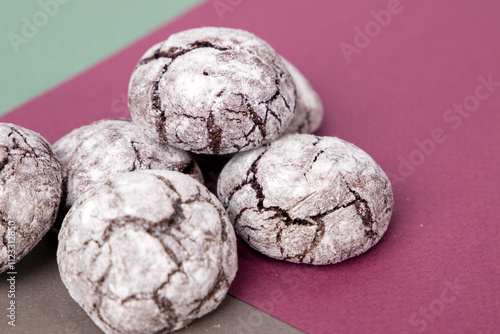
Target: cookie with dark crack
212,91
30,191
307,199
147,252
308,107
92,154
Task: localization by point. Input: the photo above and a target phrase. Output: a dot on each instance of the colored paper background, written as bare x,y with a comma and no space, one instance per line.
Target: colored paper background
397,95
46,42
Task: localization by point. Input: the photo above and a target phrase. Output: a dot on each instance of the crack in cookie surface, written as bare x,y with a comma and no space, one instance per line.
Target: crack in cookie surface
180,250
31,182
93,153
258,218
268,95
172,54
175,52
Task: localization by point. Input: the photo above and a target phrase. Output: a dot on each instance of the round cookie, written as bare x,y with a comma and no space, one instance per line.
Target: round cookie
30,191
307,199
147,252
308,108
212,91
92,154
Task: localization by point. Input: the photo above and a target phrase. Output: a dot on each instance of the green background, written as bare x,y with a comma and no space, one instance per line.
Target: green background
74,37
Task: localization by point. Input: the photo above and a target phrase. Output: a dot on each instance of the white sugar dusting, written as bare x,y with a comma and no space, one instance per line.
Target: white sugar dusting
229,78
307,199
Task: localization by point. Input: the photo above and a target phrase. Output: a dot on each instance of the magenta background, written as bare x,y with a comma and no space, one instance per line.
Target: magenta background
445,225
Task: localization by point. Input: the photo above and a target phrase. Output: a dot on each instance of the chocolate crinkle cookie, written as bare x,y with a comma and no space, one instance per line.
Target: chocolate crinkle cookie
147,252
307,199
308,108
30,191
92,154
213,91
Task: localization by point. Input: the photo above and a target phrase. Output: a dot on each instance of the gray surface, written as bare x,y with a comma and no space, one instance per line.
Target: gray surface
43,306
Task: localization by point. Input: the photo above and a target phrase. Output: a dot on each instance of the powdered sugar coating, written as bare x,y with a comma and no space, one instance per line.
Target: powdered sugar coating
30,191
307,199
308,108
92,154
147,252
212,90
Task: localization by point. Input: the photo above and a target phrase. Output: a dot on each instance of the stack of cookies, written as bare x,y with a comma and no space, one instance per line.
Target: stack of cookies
144,246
